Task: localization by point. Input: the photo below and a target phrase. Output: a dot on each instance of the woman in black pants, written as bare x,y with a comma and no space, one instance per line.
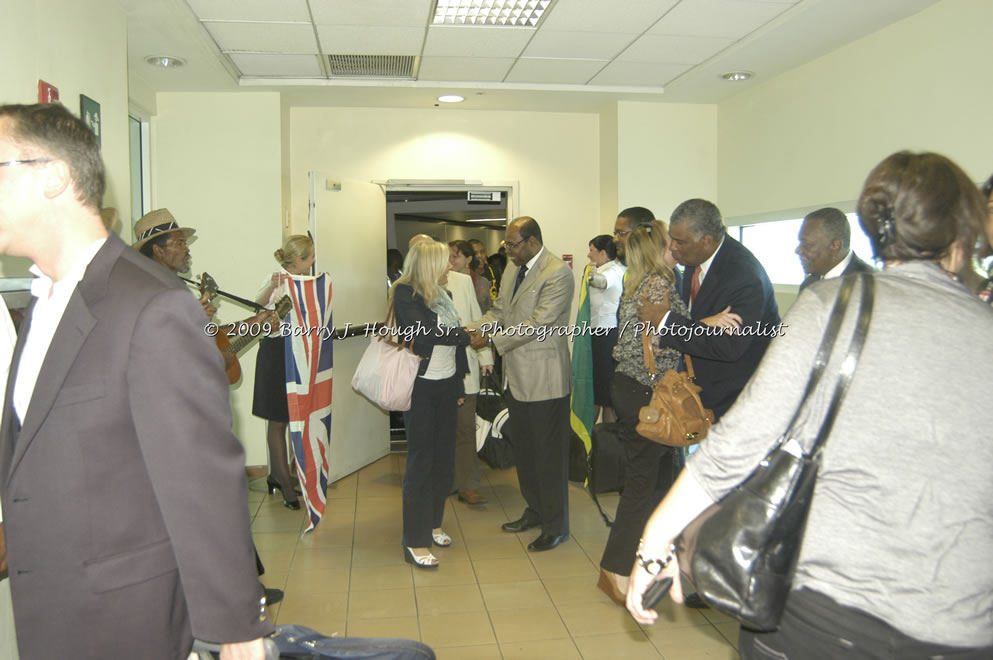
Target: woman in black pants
649,467
424,312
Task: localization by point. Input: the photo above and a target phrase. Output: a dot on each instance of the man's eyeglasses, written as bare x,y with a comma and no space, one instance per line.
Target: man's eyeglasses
12,163
513,246
622,232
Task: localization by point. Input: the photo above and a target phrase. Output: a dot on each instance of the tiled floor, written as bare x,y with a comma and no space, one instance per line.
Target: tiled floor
490,598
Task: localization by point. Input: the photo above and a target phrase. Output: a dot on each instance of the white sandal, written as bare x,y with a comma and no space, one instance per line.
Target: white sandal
441,539
423,561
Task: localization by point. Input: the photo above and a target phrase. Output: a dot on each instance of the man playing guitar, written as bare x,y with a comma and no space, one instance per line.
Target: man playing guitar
161,239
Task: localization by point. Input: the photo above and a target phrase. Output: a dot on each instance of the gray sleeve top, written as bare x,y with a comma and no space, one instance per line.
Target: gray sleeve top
901,524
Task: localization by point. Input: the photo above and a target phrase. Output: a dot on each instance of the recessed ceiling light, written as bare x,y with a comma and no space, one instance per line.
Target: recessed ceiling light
507,13
735,76
165,61
451,98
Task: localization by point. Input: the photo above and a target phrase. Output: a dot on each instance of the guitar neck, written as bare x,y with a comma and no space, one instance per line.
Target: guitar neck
238,344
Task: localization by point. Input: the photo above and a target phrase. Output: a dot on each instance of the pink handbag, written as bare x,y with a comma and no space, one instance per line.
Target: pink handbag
385,374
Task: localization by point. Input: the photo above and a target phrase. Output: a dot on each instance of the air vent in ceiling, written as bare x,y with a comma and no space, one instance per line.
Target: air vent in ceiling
372,66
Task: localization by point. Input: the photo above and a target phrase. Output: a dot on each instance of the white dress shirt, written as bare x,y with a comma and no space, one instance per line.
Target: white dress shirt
52,298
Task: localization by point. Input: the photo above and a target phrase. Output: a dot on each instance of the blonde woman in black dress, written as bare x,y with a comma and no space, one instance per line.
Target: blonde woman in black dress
295,258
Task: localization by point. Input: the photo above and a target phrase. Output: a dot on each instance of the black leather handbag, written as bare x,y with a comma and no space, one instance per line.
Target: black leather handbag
741,552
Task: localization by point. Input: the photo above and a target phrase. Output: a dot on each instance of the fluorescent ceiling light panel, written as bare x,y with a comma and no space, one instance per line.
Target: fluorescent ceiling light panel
509,13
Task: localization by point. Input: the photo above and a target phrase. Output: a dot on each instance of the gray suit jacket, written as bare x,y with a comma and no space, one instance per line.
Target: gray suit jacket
124,492
533,335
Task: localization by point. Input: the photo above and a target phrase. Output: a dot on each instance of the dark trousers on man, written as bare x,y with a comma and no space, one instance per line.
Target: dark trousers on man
815,627
539,433
427,480
649,472
466,458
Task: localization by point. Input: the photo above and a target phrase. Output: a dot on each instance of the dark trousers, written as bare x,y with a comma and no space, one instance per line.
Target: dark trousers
814,627
539,433
466,458
649,472
427,480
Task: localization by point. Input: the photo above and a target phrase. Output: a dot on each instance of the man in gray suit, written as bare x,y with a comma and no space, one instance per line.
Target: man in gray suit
823,247
528,326
123,486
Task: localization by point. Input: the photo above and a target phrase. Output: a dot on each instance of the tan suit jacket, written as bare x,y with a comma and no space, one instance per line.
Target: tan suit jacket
533,329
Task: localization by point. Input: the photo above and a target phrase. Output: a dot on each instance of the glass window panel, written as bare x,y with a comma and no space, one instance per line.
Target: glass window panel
774,245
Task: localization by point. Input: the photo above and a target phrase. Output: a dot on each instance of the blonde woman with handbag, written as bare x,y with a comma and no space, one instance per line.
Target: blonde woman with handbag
424,311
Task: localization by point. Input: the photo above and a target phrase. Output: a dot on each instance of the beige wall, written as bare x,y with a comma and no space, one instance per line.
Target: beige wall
667,153
216,167
609,170
553,156
810,136
81,48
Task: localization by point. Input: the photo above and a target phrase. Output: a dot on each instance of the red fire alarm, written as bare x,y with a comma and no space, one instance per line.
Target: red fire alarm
568,259
47,92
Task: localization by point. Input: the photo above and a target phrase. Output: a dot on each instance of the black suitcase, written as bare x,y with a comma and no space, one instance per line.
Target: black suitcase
293,642
606,459
578,459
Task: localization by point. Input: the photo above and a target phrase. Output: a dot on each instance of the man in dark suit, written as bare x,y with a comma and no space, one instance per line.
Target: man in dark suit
823,247
527,325
719,273
123,487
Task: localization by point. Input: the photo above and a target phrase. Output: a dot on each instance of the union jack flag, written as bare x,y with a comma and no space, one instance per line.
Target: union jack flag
308,387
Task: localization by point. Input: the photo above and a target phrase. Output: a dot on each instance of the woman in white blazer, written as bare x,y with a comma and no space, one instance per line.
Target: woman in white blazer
463,292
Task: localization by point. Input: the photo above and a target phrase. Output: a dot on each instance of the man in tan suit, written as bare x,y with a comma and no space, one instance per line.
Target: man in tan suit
528,326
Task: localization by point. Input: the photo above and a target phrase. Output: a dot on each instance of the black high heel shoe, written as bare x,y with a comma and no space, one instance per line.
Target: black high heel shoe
273,485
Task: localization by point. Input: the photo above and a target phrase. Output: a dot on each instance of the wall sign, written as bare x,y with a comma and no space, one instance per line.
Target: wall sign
89,112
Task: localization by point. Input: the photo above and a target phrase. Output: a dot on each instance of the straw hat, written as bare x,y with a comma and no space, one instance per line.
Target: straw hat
157,222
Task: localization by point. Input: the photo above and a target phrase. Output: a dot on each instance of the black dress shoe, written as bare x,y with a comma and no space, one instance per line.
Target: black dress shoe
694,601
546,542
521,525
273,596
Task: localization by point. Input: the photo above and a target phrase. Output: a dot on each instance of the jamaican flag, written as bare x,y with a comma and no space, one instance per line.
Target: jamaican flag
582,368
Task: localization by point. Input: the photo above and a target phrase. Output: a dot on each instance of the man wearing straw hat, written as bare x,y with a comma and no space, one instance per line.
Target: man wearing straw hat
160,238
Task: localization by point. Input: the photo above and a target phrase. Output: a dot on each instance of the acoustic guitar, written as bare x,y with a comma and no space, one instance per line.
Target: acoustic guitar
234,338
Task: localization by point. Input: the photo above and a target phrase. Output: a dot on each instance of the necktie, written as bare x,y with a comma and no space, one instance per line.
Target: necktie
694,284
520,278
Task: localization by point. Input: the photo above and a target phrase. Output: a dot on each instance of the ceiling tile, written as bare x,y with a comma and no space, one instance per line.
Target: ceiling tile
718,18
674,50
250,10
473,41
264,37
362,40
639,74
583,45
274,64
623,16
564,72
397,13
469,69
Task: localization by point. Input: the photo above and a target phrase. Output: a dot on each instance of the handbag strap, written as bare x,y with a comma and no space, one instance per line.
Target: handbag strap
649,355
826,347
847,370
391,317
851,359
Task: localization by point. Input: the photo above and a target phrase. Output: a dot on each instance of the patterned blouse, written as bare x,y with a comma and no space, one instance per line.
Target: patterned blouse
628,351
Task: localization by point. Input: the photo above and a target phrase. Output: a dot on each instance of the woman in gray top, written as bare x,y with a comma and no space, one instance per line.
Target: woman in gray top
896,557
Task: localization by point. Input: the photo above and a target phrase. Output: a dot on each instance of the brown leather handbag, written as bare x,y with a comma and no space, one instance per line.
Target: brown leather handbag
675,416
